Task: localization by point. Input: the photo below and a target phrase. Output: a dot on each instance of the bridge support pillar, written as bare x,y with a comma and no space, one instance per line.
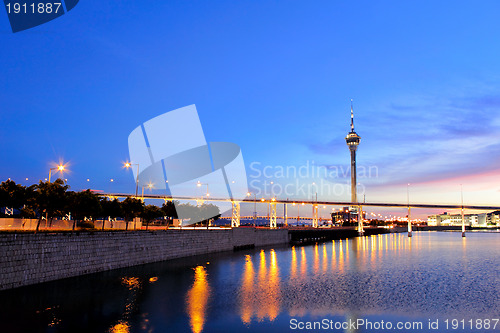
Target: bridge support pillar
361,230
272,216
235,216
285,215
315,216
463,222
409,221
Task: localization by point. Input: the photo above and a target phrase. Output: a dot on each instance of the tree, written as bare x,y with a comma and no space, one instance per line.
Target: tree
169,211
12,195
150,213
84,204
199,214
209,212
187,211
50,199
132,208
28,210
111,209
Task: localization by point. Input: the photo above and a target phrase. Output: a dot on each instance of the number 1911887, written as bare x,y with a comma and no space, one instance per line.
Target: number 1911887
33,8
477,324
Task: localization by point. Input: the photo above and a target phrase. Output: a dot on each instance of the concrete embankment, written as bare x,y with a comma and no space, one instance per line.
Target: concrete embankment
29,258
312,235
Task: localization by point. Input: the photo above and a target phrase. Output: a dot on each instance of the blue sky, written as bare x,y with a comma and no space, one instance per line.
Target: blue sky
275,77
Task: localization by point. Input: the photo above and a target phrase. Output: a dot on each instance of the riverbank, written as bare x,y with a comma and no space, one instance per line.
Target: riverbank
30,258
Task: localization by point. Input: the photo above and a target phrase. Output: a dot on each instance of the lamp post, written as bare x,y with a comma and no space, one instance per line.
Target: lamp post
409,209
463,216
60,168
199,185
254,206
129,165
150,186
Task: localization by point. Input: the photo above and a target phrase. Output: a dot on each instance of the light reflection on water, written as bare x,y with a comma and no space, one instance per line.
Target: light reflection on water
431,275
197,299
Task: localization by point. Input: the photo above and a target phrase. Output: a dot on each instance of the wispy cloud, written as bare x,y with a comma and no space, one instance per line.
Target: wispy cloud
426,138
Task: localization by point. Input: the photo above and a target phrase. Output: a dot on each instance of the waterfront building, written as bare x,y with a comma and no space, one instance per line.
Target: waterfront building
346,217
472,220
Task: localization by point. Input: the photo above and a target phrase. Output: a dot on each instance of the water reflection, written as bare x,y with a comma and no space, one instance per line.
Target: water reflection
333,284
274,293
431,275
316,259
120,327
247,291
293,265
133,285
325,259
197,299
303,262
260,298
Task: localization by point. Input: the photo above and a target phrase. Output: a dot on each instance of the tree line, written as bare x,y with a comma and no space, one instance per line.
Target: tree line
54,199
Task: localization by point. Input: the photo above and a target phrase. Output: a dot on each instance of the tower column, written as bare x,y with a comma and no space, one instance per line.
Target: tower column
361,229
352,140
315,216
272,217
353,176
235,214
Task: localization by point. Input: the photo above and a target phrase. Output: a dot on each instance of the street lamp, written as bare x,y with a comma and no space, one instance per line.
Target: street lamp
254,205
409,209
60,168
129,165
199,185
150,186
463,216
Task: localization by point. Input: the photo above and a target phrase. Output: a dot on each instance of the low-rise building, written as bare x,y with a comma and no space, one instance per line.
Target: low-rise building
472,220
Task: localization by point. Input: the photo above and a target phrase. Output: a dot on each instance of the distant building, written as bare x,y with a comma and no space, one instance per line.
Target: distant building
346,217
472,220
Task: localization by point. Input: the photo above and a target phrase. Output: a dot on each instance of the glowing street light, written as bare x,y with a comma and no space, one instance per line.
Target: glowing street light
200,184
129,165
59,168
150,186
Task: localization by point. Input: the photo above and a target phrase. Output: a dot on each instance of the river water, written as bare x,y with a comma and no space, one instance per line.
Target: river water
432,282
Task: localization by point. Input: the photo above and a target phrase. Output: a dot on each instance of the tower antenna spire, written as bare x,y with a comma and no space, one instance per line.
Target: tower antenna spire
352,118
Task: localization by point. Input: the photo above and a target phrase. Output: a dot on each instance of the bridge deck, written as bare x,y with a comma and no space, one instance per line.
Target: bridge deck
311,202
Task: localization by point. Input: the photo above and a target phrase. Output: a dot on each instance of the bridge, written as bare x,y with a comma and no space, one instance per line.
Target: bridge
273,202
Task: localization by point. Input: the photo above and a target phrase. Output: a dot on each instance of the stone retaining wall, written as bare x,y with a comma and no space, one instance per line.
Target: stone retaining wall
28,258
